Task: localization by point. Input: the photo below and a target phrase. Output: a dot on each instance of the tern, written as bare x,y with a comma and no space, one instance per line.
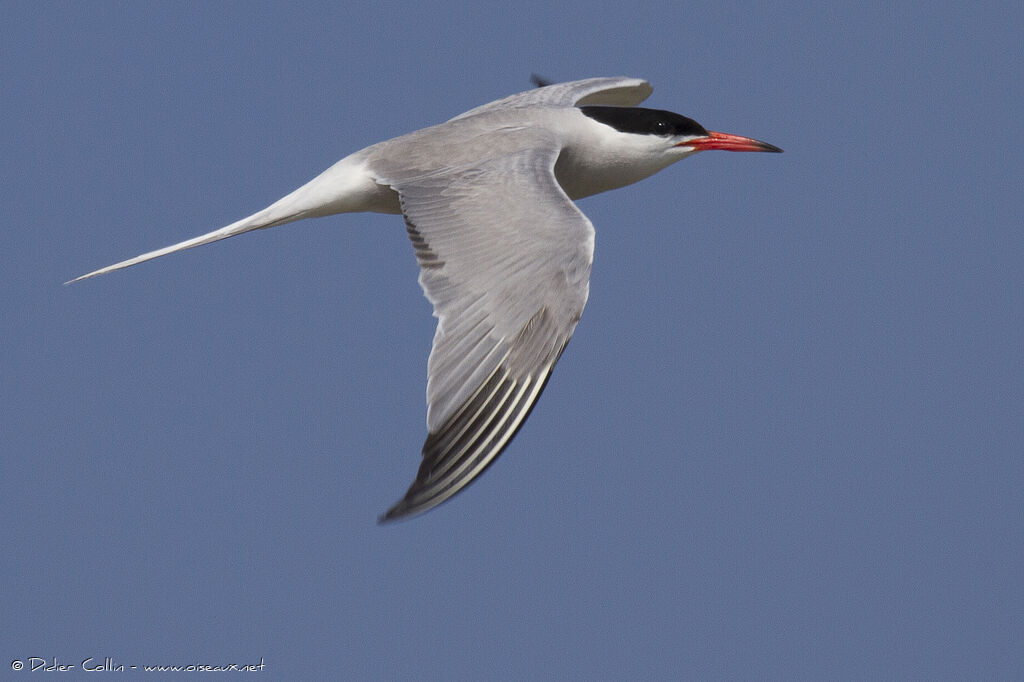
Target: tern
504,253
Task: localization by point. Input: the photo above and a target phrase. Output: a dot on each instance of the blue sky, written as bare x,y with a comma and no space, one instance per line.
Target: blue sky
785,442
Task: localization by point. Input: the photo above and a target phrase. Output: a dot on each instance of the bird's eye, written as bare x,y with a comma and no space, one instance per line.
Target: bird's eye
662,128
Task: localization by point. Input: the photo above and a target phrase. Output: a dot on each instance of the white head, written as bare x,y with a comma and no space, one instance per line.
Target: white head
628,144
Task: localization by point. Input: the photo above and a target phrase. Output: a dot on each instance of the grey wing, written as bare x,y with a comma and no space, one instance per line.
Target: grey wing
505,260
616,91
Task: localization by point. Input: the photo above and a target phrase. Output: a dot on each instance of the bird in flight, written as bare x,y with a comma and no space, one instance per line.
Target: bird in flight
504,253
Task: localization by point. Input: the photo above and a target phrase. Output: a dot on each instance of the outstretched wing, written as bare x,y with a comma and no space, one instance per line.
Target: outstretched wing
505,260
609,91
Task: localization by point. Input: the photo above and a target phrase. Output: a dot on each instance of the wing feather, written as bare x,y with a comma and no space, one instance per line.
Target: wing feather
617,91
505,260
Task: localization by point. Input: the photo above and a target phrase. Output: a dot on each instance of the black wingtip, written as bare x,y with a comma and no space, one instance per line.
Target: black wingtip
398,511
540,81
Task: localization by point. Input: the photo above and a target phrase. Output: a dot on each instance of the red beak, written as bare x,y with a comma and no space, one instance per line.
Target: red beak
729,143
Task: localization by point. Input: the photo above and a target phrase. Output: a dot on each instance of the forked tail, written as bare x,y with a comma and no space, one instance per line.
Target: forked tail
328,193
246,224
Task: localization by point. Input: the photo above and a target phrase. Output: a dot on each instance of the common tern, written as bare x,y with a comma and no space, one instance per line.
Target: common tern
504,253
